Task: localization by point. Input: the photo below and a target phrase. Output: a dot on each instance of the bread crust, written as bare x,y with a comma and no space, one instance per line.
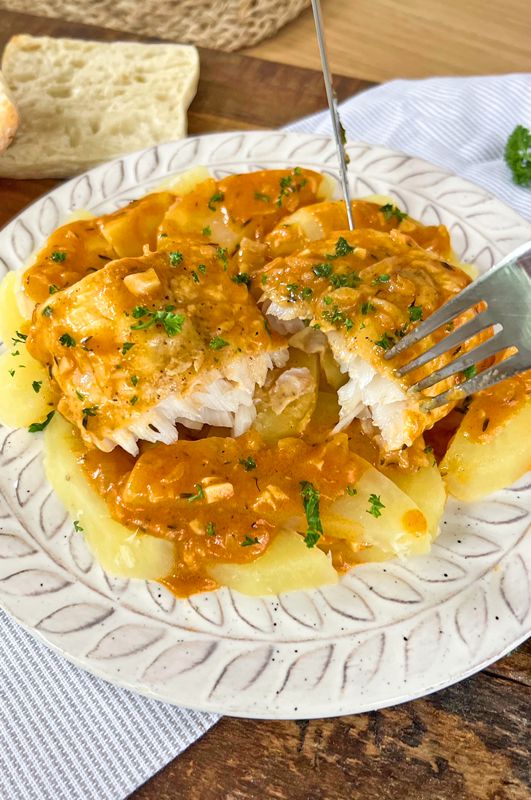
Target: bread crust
9,117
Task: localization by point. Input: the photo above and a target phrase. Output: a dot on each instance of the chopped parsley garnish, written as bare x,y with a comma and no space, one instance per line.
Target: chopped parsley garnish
67,341
428,449
36,386
470,372
348,324
382,279
295,292
175,258
126,347
77,526
172,323
35,427
342,248
263,280
375,505
264,198
210,529
217,197
199,495
58,256
366,308
351,491
12,373
221,253
195,276
349,279
217,343
80,395
134,400
288,187
201,268
207,231
248,463
386,342
53,289
327,300
15,353
518,155
415,313
250,540
163,235
20,338
90,411
134,379
322,270
337,317
310,500
242,277
389,210
47,312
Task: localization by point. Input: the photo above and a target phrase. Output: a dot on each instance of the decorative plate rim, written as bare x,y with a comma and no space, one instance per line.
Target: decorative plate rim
305,654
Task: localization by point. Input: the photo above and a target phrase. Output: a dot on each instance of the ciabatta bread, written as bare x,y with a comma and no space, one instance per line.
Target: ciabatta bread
82,103
9,118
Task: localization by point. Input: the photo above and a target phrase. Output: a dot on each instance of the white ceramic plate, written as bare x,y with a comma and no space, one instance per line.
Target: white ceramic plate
387,633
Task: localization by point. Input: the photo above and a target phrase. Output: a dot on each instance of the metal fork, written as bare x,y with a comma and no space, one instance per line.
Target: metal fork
506,291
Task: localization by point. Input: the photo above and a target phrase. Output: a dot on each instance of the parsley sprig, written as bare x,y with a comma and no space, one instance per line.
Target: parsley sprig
375,505
311,500
172,323
518,155
389,210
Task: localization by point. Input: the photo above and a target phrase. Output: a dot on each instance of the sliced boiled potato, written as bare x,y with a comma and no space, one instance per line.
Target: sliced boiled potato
11,319
401,529
25,390
426,488
286,566
119,550
473,469
273,424
185,183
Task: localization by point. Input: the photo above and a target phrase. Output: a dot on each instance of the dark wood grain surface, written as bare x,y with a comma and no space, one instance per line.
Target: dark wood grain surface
468,742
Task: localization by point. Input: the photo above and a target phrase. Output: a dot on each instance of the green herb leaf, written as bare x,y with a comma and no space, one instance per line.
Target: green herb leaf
222,254
518,155
217,197
217,343
366,308
175,258
323,270
90,411
375,505
126,347
386,342
264,198
210,529
80,395
53,289
343,248
134,400
67,341
77,526
382,279
199,495
207,231
470,372
242,277
35,427
58,256
195,276
415,313
263,280
349,280
134,379
351,491
201,268
172,323
20,338
248,541
140,311
47,311
389,210
12,373
311,500
36,386
248,463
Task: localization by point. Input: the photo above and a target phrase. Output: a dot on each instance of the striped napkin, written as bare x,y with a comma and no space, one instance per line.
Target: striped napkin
461,124
65,735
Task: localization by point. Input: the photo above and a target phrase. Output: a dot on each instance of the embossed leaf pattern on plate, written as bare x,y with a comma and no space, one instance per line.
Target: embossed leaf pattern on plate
386,632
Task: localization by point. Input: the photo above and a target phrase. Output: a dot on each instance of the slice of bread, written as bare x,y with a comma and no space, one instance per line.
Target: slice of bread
82,103
9,118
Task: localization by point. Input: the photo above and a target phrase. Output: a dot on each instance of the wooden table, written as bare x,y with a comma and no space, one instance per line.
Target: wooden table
467,742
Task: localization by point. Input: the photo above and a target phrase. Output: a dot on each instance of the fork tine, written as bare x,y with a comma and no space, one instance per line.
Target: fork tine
460,335
461,302
489,377
484,350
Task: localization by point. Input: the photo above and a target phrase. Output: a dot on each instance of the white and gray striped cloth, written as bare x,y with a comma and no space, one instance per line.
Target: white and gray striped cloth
65,735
